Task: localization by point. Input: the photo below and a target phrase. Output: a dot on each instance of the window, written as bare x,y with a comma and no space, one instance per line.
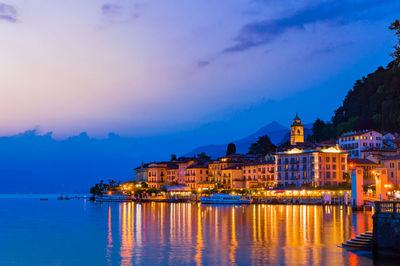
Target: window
328,166
201,171
328,174
334,175
327,159
334,159
333,166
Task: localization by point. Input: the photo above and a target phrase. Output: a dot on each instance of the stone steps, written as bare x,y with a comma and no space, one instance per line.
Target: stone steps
363,241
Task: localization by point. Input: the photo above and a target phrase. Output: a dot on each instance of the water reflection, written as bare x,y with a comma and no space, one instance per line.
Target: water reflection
163,233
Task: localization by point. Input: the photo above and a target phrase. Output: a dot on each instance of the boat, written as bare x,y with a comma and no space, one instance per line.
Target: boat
113,198
226,199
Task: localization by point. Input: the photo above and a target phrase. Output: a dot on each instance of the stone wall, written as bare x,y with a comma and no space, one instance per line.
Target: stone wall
386,232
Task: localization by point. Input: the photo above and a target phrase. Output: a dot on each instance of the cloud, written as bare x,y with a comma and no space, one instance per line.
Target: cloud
118,13
8,13
203,63
265,31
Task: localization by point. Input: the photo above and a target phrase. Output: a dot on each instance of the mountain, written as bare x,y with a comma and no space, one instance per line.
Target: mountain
275,131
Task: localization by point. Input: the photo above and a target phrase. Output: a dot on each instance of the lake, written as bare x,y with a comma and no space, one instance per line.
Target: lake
81,232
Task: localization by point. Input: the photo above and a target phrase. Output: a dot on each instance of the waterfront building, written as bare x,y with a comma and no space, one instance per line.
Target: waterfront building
356,142
172,173
392,164
296,131
141,173
376,154
196,173
233,177
183,164
368,167
215,168
311,166
157,175
259,174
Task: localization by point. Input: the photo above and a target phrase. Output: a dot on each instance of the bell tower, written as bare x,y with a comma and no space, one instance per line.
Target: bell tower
297,131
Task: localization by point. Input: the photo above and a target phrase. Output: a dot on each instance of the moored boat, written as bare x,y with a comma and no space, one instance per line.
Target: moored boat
226,199
113,198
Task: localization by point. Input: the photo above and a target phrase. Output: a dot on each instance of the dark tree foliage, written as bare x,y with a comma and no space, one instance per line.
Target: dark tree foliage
203,156
99,188
231,149
284,145
373,103
173,157
262,146
396,54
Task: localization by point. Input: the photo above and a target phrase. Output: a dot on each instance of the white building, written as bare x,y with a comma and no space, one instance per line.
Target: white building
355,142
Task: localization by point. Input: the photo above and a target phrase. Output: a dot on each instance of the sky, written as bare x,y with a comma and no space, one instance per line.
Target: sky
152,68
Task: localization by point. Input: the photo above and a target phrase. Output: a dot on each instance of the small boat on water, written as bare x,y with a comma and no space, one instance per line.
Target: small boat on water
226,199
113,198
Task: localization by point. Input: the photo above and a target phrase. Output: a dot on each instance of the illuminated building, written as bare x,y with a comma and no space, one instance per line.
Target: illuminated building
195,174
296,132
215,168
367,166
141,173
259,174
356,142
312,166
392,164
157,174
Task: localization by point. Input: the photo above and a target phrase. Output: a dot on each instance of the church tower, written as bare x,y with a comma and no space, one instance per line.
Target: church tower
297,131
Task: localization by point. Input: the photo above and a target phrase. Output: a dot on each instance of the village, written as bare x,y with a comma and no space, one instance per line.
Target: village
302,172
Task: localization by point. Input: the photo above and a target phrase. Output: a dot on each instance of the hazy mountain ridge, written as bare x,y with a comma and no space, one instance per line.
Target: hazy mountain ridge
275,131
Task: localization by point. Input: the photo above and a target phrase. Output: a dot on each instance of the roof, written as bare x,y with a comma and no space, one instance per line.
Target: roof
379,149
359,161
259,163
357,133
234,167
197,166
390,158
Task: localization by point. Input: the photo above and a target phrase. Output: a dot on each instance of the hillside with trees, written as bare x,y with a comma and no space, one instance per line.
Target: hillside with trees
373,103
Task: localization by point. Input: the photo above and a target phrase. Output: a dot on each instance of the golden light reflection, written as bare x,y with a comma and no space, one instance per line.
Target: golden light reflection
199,234
234,244
199,237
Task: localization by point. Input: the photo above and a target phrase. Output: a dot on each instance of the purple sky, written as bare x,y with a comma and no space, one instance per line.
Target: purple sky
142,68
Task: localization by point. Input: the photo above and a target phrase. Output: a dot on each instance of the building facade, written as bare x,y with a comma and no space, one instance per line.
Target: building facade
392,164
368,167
355,142
317,166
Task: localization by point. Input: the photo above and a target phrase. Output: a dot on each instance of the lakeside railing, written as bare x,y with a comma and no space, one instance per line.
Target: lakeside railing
389,207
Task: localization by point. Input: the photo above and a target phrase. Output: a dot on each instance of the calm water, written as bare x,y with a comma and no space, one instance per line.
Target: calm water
80,232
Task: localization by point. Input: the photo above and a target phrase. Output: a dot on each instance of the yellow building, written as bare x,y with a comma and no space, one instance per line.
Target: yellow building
259,174
392,164
233,177
216,167
296,132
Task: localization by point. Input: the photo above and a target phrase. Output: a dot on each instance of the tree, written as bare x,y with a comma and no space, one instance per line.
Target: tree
173,157
262,146
203,156
396,54
231,149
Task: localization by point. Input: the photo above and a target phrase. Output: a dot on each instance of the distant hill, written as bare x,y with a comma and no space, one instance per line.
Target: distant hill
275,131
